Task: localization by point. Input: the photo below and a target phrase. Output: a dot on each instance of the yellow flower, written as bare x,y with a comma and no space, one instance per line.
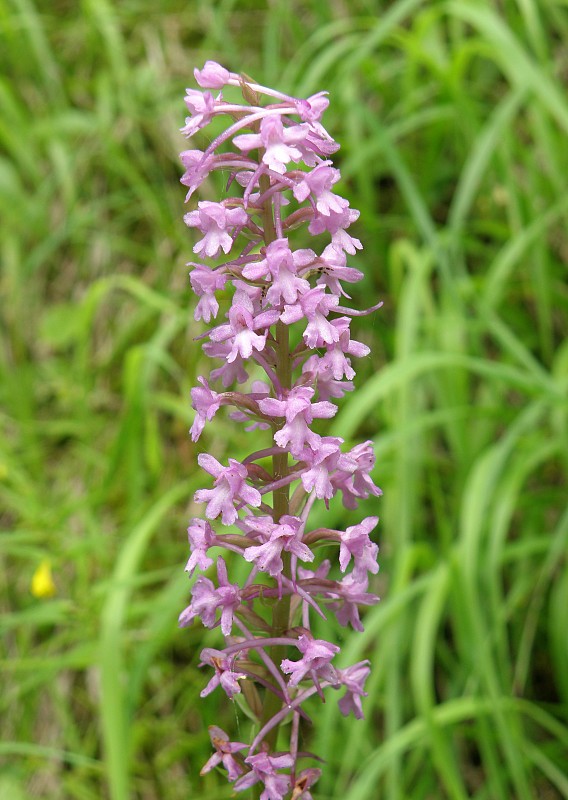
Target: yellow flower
42,581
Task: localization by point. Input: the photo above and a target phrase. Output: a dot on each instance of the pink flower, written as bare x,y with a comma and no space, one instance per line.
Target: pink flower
355,542
353,477
353,678
315,305
336,223
317,145
305,779
205,282
207,599
230,486
318,182
201,537
280,267
263,769
333,268
276,537
242,327
225,676
212,76
230,371
206,402
218,223
201,106
299,412
335,358
322,462
352,593
321,375
197,168
223,754
311,110
317,653
279,143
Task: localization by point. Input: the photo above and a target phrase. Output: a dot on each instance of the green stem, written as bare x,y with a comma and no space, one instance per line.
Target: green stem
280,497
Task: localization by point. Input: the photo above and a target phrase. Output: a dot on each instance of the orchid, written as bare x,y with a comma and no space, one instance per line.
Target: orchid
277,151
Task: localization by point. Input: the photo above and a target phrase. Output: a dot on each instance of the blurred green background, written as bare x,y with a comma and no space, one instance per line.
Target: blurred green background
453,121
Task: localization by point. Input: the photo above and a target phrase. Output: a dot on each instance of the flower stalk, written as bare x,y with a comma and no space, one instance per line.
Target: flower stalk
278,155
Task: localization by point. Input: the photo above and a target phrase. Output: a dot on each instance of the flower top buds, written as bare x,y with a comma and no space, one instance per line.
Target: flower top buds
283,352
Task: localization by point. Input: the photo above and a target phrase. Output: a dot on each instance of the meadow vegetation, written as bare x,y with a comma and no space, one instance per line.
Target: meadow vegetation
453,121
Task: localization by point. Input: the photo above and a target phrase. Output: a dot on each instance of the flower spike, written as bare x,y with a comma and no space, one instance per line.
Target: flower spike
276,150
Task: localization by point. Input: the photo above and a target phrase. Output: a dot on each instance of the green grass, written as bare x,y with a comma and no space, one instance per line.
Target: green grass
453,120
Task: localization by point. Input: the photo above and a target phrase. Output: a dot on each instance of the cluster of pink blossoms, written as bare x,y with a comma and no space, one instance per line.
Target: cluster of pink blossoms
286,342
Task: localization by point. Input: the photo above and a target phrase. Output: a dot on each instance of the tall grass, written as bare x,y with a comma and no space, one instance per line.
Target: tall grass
453,119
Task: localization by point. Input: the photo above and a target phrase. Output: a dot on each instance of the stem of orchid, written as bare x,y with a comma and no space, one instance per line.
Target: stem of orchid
280,496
